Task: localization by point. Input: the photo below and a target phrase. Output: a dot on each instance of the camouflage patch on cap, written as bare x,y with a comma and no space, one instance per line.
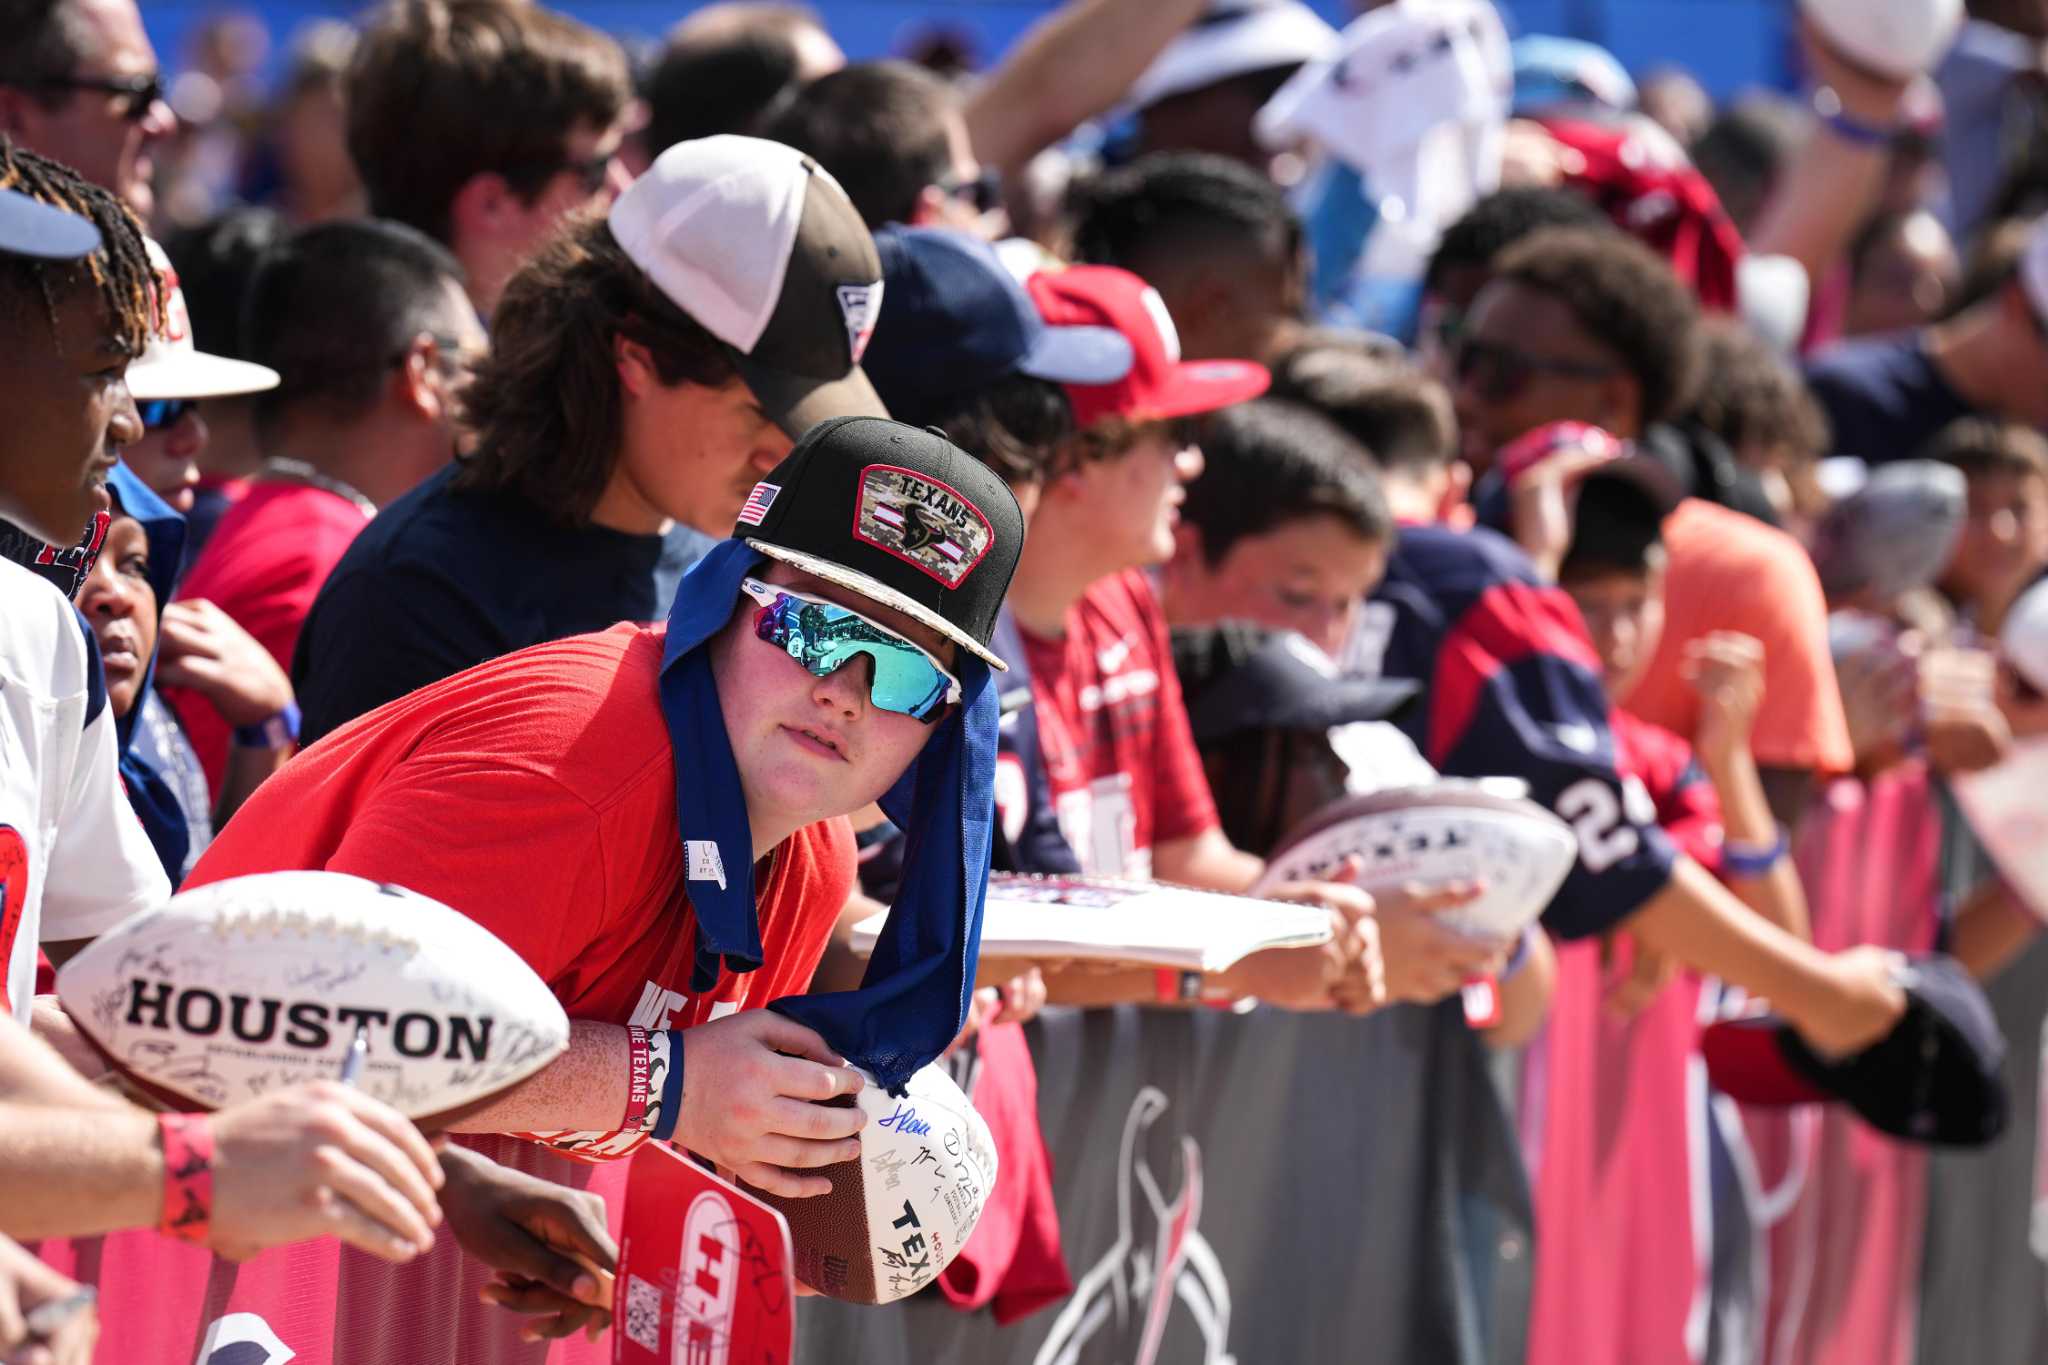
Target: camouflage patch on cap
922,522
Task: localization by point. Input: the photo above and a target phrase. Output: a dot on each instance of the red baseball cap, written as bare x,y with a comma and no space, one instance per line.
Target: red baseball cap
1160,384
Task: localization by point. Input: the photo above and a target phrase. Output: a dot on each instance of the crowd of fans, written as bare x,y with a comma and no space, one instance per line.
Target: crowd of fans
1683,461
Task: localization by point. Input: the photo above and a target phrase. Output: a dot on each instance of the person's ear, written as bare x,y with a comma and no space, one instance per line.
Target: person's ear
930,208
17,110
1456,490
482,209
637,375
419,382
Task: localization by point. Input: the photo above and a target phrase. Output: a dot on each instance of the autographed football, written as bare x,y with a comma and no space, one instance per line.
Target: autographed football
900,1213
1448,830
230,991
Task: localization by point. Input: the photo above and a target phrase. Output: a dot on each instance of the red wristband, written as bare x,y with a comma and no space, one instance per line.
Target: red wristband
637,1071
188,1176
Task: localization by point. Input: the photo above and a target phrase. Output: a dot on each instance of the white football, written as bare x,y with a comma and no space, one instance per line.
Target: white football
1449,830
900,1213
234,990
1897,38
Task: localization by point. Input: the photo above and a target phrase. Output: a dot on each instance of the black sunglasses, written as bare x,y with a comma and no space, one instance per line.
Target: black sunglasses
161,414
984,189
138,93
1500,372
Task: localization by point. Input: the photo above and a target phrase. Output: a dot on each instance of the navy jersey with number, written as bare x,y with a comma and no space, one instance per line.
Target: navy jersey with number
1512,688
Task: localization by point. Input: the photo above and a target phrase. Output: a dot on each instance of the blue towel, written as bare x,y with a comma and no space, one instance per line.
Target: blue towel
913,1000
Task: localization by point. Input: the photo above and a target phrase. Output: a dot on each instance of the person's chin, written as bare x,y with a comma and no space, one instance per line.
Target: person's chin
182,499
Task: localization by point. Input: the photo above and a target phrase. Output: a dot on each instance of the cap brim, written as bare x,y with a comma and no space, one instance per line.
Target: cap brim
796,402
1079,355
29,227
1747,1062
1198,386
881,593
195,374
1348,700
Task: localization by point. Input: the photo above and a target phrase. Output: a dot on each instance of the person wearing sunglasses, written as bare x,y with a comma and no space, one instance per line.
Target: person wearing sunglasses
894,136
79,84
653,816
168,380
484,125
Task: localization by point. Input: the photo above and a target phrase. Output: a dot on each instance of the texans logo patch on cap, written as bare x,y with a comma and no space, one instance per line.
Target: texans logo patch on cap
861,306
922,522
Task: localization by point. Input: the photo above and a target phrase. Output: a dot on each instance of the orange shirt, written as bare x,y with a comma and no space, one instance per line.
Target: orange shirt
1731,572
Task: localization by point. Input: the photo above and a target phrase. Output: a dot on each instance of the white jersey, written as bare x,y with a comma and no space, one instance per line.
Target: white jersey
74,860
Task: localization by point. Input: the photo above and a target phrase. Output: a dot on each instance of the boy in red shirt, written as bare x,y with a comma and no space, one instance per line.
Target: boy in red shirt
610,804
1125,775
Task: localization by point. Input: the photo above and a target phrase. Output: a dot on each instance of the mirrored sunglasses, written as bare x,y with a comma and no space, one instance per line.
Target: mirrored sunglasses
825,636
161,414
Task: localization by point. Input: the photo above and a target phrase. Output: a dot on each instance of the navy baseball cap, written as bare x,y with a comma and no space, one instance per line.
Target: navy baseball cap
29,227
1936,1078
953,320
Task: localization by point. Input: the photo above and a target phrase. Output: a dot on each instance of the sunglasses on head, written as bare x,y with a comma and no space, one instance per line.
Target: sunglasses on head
984,190
161,414
1500,373
138,93
825,636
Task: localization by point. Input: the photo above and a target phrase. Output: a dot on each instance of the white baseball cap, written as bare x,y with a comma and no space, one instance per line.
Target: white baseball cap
758,244
2024,637
1235,38
1897,38
172,366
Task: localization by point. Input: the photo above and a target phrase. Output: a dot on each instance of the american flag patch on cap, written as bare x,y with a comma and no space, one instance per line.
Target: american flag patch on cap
758,503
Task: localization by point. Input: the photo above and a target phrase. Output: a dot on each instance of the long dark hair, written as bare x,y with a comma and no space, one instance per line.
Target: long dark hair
545,406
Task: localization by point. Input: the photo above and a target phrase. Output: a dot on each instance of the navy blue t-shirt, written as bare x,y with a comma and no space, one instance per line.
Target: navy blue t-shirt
1512,689
1883,397
445,579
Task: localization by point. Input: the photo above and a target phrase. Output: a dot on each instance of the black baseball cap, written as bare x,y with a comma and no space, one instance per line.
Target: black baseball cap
1238,676
758,244
898,514
1936,1078
29,227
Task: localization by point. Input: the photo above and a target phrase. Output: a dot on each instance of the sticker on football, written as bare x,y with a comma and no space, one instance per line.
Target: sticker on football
234,990
899,1213
1449,830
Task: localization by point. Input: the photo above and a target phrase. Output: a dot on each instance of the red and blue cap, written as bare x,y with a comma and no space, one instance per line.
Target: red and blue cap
1160,385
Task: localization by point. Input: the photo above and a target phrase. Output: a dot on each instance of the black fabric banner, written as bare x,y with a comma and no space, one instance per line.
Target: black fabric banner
1343,1189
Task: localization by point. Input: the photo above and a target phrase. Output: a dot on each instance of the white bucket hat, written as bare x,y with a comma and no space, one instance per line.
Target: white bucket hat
171,366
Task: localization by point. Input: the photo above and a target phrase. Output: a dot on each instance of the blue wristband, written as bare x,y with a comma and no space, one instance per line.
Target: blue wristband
671,1089
1519,958
1753,860
279,731
1827,106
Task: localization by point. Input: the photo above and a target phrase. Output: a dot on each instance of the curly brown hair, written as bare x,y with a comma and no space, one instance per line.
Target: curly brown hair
545,405
1626,298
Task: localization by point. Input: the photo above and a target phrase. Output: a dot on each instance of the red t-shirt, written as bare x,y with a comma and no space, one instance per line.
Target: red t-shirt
1121,760
1688,807
263,566
536,794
